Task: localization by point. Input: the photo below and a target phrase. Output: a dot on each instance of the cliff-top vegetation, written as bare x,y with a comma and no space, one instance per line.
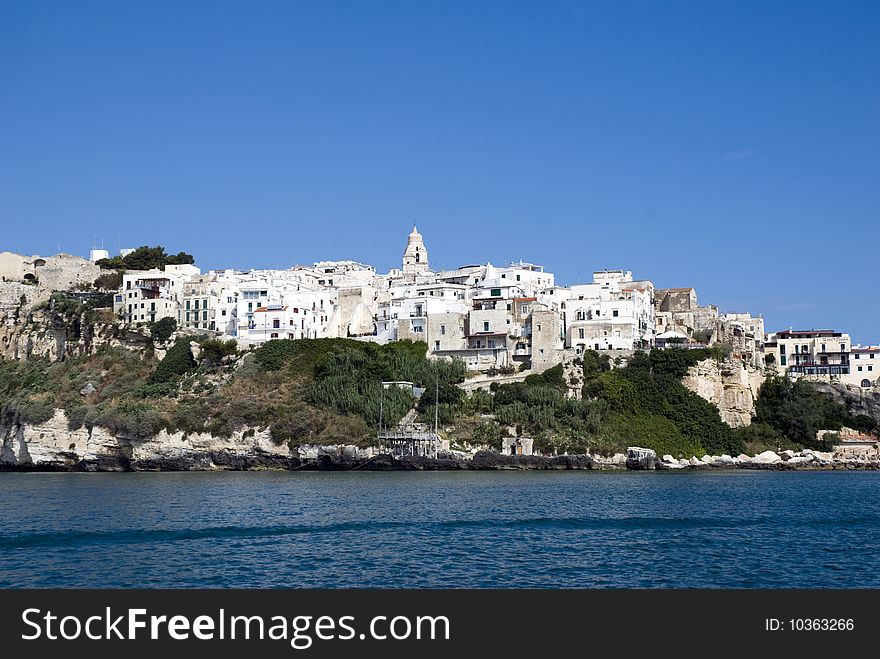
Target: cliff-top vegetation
330,391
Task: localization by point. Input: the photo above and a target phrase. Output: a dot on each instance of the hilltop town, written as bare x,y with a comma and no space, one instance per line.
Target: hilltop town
501,319
151,352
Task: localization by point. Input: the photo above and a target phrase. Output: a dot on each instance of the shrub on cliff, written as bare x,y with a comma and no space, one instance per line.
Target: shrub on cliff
130,419
35,410
214,350
552,377
177,361
162,329
798,411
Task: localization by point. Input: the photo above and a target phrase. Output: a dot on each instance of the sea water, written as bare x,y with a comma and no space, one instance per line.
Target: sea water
727,529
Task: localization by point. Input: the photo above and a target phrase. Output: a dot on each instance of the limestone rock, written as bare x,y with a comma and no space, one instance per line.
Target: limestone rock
640,458
88,389
767,457
730,385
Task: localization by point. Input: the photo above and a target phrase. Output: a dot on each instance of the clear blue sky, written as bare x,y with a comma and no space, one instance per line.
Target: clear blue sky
730,146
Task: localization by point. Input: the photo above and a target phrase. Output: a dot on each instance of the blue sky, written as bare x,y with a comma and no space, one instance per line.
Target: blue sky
730,146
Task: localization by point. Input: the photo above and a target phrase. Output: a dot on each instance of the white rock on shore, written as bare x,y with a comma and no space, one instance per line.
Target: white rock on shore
766,458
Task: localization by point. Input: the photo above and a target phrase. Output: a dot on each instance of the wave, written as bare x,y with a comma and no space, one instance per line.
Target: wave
146,536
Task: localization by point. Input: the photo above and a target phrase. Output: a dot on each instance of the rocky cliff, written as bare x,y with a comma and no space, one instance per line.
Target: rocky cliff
44,334
53,446
857,399
730,385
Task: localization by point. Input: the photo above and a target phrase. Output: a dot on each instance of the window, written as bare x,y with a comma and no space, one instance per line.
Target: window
782,360
436,345
495,292
276,323
518,278
443,330
525,309
223,313
274,335
782,349
858,355
491,343
581,333
539,327
187,304
866,383
504,276
860,369
614,313
250,295
485,325
842,347
823,348
205,315
870,367
872,355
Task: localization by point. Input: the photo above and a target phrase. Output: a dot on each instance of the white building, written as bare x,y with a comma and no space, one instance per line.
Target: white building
148,296
864,367
813,354
612,313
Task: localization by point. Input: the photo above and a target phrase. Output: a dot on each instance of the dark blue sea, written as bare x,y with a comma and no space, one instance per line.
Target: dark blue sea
728,529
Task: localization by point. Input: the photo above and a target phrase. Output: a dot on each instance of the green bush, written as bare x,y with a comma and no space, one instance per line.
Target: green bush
130,419
178,361
162,329
35,410
76,416
109,281
552,377
214,350
798,412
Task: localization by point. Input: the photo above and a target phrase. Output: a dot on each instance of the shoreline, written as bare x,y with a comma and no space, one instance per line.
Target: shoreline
481,461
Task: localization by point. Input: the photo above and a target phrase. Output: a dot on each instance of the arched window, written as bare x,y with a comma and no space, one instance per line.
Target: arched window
866,384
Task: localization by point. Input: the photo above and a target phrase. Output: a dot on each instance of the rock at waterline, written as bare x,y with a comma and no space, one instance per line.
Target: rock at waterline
640,458
766,458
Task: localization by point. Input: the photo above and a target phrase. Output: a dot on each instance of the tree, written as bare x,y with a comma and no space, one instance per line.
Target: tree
109,281
163,328
146,258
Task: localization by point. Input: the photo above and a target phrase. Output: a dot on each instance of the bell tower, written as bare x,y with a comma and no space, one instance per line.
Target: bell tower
415,257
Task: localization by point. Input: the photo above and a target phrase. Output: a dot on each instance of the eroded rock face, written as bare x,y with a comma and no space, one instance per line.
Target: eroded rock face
52,445
859,400
47,335
730,385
